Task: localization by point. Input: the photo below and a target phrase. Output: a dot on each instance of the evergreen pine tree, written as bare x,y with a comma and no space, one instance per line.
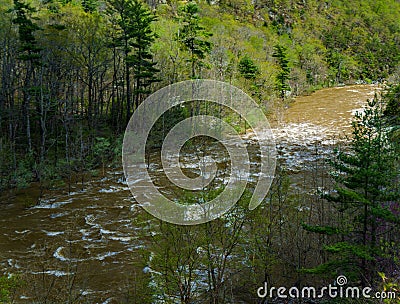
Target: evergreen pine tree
193,36
283,75
89,6
364,199
250,71
247,68
144,70
136,37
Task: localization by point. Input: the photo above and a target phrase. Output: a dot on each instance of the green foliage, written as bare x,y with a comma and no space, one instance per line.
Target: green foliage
143,36
192,36
283,76
89,6
117,151
48,175
71,64
97,65
26,28
193,263
164,124
392,100
339,67
102,151
390,285
134,37
365,191
351,34
23,174
321,229
247,68
8,287
101,147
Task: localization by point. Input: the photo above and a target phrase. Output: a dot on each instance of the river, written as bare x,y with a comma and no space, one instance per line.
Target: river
92,226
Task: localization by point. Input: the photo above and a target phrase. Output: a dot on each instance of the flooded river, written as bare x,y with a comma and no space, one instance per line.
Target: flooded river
92,226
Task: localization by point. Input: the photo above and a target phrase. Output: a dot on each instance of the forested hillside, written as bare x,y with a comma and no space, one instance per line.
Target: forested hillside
73,72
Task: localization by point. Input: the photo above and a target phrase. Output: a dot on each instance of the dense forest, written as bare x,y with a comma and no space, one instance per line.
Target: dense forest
73,72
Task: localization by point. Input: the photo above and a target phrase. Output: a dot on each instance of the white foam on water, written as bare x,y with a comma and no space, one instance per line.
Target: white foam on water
87,292
57,215
53,233
85,233
136,247
299,143
90,220
77,192
106,191
57,273
105,231
13,263
101,257
303,134
113,189
22,232
123,239
58,255
50,204
122,180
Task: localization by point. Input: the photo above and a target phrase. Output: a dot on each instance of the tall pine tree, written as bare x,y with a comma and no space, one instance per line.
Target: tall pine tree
365,199
283,76
193,36
136,36
144,70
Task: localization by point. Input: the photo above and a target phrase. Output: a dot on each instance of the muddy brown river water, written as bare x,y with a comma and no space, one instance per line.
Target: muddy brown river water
92,226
